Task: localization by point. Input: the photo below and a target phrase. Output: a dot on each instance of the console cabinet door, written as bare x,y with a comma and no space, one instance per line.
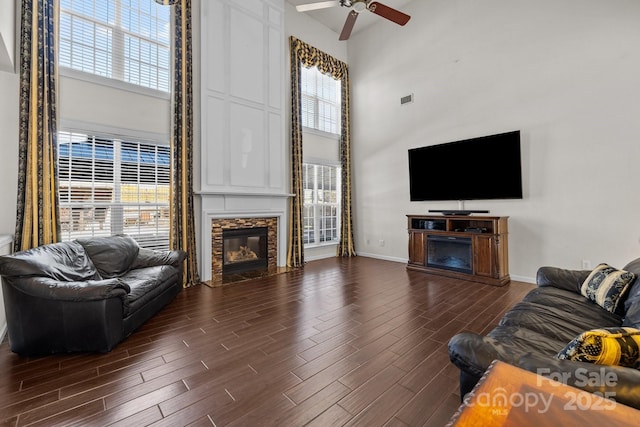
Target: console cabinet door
417,245
485,256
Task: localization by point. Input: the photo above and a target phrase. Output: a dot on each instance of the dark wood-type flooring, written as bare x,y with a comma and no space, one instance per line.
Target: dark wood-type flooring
341,342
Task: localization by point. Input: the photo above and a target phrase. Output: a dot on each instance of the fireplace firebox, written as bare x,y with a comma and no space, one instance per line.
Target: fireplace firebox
244,249
450,253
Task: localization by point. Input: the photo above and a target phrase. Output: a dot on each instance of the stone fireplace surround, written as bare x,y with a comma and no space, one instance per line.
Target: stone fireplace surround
217,253
241,207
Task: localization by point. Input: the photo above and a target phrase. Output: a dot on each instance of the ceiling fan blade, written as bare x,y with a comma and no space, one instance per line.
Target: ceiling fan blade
348,25
315,6
389,13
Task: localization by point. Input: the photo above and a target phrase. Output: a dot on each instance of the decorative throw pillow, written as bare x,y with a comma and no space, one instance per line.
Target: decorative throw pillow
606,286
606,346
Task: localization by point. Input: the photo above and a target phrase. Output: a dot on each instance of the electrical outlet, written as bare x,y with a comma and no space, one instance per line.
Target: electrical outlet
368,242
586,264
381,242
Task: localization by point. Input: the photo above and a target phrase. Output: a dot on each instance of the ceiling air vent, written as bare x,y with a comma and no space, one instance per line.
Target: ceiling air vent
406,99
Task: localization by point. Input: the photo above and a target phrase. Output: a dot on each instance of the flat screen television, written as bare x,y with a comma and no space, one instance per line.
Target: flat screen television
484,168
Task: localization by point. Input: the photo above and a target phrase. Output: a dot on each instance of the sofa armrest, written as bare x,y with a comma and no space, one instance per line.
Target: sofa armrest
570,280
617,382
153,258
472,353
51,289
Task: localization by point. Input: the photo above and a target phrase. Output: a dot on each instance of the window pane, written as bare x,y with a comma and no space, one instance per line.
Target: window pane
109,186
321,100
321,203
120,39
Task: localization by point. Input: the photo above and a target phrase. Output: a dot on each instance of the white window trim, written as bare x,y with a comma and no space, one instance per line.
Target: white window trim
79,126
84,76
318,132
322,162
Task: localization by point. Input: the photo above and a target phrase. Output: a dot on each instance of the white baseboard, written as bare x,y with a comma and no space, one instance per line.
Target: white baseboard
383,257
318,257
523,279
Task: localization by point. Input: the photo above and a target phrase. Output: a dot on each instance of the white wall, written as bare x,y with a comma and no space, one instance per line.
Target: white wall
9,88
101,107
8,35
563,72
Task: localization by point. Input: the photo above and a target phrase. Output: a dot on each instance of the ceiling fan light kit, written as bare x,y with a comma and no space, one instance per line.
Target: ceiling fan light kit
358,6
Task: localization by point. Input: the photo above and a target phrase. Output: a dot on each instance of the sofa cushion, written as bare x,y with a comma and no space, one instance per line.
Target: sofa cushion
605,346
112,255
64,261
153,258
557,313
606,286
147,283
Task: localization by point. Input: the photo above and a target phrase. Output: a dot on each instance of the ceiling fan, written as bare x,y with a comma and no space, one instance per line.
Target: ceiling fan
356,7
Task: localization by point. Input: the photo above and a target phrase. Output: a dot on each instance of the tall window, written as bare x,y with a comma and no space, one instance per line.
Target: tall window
321,107
321,184
126,40
113,186
321,111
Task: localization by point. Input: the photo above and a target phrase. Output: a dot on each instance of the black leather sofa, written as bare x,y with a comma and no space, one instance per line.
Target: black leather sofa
548,318
84,295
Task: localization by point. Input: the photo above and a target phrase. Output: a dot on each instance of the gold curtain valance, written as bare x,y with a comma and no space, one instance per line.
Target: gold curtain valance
309,56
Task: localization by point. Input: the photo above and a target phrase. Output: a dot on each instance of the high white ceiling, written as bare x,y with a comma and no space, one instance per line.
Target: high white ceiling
334,17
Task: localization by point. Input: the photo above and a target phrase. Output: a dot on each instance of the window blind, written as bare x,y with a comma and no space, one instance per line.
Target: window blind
321,101
118,39
112,186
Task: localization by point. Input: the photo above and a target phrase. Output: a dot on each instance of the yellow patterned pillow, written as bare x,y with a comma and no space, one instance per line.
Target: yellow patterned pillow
606,346
606,286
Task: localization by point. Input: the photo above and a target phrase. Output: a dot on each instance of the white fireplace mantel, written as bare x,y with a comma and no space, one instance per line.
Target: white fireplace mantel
240,205
243,158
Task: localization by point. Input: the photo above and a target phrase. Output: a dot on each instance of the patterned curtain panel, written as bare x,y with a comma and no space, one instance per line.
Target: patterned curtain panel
303,54
295,251
37,222
346,246
182,219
